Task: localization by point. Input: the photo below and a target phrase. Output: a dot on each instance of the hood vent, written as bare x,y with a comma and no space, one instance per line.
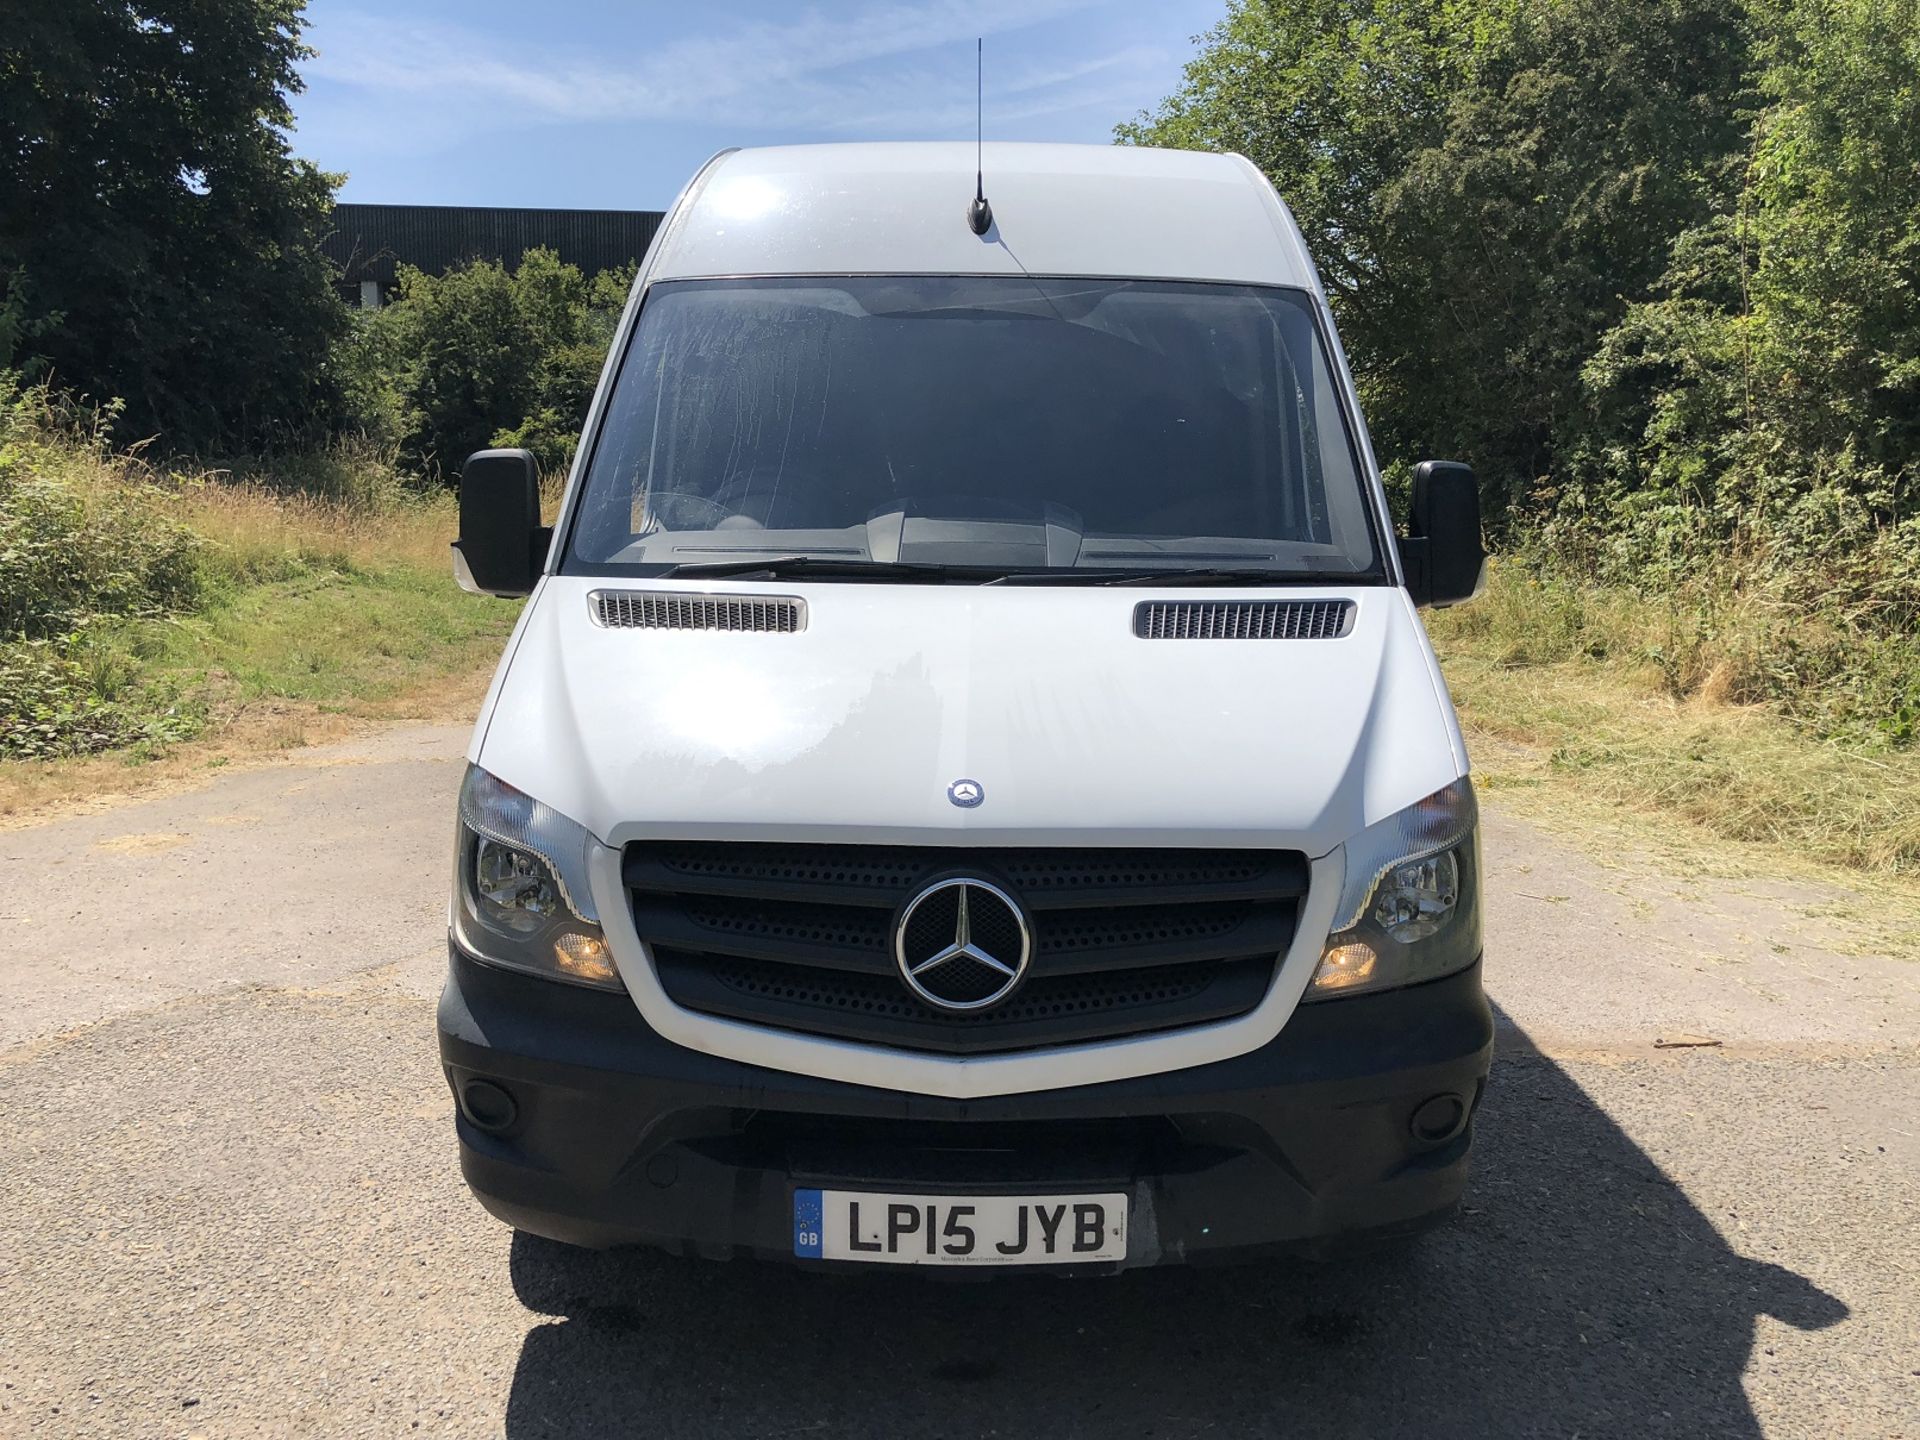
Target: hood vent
1242,619
677,610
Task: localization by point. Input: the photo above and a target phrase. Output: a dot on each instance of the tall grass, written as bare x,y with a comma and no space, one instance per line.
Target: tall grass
1649,703
142,604
344,508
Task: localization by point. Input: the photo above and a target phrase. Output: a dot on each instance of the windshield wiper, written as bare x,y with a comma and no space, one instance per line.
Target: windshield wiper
1246,575
832,567
821,567
1212,576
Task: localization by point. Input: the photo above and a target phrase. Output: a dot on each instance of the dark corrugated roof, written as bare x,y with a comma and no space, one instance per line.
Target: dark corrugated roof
368,242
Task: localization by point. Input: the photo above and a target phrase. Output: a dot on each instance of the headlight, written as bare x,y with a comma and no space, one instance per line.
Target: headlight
1410,908
521,897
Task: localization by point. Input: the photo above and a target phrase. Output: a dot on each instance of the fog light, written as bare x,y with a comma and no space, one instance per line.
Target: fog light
1441,1118
584,956
1345,966
488,1105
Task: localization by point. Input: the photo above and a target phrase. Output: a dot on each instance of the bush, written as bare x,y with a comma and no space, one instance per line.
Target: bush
1637,701
70,551
144,603
1753,453
68,697
1816,611
483,356
83,543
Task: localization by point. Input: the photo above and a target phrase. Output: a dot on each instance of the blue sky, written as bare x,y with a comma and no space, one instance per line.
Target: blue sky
602,104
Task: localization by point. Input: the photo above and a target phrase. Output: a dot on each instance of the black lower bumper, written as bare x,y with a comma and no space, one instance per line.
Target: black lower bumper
590,1128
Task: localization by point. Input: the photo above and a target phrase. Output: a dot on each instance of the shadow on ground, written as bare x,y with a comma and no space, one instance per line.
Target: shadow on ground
1579,1293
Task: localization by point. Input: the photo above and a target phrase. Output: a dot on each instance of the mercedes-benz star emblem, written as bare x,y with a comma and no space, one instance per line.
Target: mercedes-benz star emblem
966,793
962,944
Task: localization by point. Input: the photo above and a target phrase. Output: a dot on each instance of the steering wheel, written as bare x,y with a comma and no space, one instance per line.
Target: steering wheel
678,510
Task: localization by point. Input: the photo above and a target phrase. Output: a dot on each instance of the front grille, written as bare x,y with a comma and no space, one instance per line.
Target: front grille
671,610
908,1152
1077,1154
1242,619
1125,941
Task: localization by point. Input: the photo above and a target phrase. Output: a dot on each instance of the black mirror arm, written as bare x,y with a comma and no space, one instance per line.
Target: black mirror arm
1416,563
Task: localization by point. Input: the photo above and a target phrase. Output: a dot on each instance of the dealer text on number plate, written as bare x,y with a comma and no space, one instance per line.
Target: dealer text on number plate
959,1229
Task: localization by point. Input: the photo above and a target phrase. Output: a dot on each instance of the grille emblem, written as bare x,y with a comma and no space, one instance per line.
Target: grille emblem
962,945
967,794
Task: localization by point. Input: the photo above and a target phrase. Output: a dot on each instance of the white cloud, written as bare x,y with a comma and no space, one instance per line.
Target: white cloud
931,104
807,72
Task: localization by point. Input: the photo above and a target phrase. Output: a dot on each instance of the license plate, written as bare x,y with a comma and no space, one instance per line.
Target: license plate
959,1229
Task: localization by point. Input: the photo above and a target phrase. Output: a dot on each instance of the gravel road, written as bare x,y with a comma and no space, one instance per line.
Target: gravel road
229,1204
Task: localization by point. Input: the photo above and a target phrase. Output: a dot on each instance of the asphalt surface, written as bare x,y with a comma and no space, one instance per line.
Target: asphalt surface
229,1204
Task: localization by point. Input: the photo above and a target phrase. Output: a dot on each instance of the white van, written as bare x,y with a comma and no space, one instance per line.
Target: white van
970,786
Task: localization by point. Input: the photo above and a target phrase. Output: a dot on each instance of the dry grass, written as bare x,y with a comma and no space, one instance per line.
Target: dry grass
344,507
325,601
247,736
1556,718
258,530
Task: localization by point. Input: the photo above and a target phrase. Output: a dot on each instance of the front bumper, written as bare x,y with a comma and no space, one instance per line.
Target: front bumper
612,1135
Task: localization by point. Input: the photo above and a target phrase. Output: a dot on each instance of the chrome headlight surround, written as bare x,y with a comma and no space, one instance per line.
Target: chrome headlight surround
521,894
1409,907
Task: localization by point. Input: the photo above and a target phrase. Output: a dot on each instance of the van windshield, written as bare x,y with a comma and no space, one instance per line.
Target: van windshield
975,427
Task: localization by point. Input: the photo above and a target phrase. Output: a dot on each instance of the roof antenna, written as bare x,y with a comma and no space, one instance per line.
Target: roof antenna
979,213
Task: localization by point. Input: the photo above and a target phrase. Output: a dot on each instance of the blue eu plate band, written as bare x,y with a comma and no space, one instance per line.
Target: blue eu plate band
807,1217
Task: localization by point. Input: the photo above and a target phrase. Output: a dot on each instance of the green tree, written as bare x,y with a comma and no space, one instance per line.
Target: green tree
1483,184
571,320
1605,130
149,198
483,356
466,361
1765,400
1781,350
1333,99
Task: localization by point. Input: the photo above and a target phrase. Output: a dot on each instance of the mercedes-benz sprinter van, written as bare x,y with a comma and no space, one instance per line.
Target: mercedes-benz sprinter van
969,785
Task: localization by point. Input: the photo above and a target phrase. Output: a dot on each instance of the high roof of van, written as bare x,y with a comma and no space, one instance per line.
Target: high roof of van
1094,210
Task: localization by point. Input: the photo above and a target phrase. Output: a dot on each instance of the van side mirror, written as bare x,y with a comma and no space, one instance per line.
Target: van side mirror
502,545
1441,551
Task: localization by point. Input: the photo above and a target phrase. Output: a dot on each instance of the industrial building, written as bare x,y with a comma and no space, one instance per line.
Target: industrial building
370,242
